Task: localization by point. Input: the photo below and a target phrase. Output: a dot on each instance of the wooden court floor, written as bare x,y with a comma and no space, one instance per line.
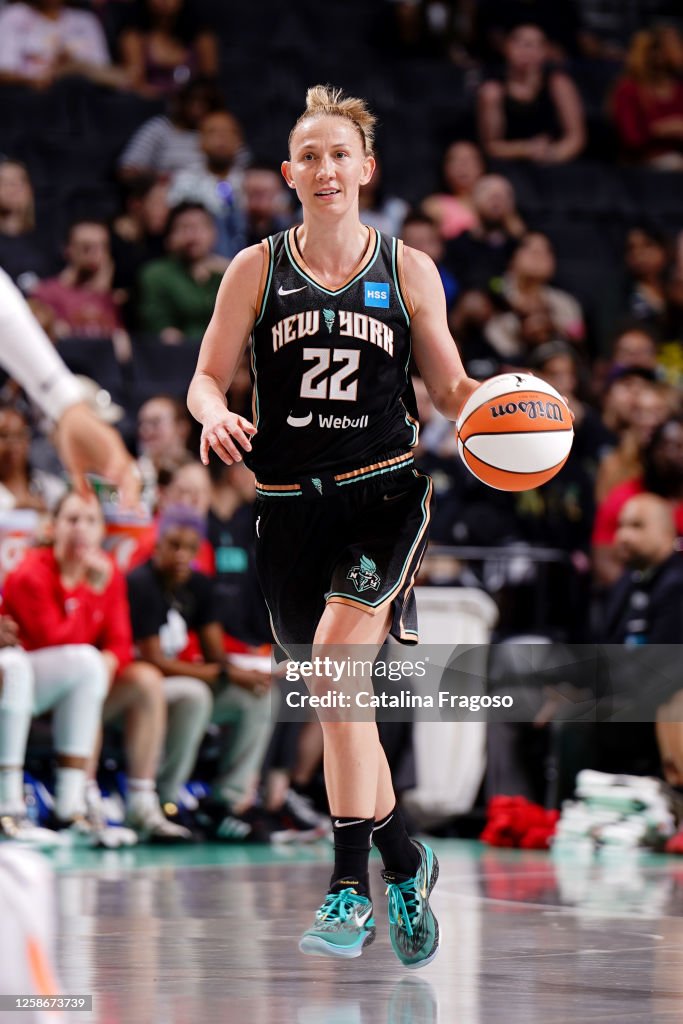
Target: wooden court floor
210,934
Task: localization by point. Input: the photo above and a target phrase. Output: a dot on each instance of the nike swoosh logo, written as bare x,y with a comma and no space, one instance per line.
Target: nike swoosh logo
345,824
290,291
300,421
394,497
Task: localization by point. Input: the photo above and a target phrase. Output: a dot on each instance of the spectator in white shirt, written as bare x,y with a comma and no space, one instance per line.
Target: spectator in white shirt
43,40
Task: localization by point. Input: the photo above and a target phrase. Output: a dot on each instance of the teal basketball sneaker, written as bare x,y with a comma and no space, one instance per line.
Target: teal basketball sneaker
344,925
413,929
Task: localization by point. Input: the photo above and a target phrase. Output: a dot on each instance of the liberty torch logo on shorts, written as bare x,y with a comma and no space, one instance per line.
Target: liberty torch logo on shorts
365,575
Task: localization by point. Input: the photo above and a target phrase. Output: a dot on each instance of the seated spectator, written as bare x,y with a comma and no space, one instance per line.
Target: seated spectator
168,143
189,485
647,104
493,20
634,347
243,612
71,682
379,210
652,404
72,593
43,40
644,607
162,439
420,232
557,362
646,259
138,232
526,289
24,254
218,186
478,256
82,296
671,356
453,209
662,475
266,204
168,599
534,113
164,44
22,486
176,294
622,387
467,320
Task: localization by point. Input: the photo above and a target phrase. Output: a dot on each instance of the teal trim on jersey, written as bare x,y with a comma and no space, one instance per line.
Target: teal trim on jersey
264,303
339,291
397,286
425,518
257,404
394,269
415,427
266,290
375,472
278,494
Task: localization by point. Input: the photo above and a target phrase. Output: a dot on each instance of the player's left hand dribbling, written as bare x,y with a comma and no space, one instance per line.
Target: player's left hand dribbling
223,435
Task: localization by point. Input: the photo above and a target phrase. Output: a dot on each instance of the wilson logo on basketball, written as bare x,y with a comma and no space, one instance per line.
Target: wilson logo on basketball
534,410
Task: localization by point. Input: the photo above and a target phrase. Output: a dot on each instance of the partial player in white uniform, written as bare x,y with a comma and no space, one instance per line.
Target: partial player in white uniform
85,445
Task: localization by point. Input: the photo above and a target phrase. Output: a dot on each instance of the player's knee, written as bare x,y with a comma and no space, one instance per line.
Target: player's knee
16,681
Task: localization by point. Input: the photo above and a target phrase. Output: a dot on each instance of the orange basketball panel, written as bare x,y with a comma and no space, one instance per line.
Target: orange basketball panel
517,411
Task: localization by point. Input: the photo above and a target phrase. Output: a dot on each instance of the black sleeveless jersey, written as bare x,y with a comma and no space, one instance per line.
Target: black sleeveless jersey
330,369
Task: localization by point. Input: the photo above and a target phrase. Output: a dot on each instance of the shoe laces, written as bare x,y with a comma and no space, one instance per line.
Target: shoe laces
403,903
338,906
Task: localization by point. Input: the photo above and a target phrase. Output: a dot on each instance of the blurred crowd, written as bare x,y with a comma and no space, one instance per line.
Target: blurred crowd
544,179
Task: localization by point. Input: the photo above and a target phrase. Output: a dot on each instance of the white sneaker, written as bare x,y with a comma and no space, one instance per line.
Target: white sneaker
18,828
112,836
81,832
152,826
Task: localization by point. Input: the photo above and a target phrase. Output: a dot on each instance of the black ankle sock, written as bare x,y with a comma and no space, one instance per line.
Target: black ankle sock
351,853
393,842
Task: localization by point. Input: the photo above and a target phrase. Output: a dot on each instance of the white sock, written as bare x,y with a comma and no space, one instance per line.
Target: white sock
70,793
141,796
11,790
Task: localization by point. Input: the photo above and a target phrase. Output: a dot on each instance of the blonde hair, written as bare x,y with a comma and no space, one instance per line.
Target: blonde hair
331,102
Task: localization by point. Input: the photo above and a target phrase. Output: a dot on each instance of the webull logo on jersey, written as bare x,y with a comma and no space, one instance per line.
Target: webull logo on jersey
534,410
343,422
330,422
350,325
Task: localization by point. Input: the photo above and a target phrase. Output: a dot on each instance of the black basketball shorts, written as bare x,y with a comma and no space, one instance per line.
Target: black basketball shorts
359,545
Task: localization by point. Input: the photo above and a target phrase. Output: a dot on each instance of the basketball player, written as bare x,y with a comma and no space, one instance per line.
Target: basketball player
341,517
85,444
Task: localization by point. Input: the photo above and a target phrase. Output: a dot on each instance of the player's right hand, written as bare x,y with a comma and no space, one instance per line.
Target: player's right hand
223,433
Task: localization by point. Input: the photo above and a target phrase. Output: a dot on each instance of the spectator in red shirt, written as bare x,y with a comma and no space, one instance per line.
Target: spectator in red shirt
662,475
81,296
648,101
72,593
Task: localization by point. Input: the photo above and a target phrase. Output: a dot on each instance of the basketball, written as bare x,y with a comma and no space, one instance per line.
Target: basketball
514,432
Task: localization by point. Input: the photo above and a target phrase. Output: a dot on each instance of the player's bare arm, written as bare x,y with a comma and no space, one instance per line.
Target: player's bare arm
224,343
434,349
